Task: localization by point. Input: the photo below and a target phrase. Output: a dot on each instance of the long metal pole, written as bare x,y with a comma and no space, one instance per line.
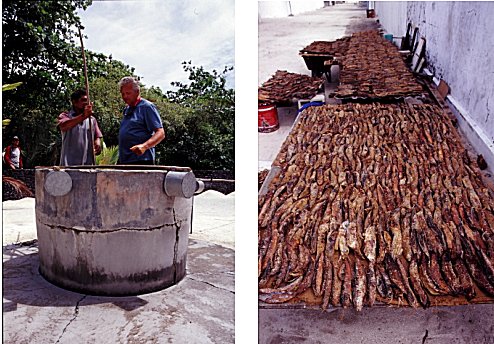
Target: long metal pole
87,95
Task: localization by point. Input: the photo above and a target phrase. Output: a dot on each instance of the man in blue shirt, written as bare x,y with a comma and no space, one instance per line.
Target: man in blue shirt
141,128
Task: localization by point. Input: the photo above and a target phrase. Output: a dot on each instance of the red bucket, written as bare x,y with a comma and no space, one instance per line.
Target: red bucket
267,118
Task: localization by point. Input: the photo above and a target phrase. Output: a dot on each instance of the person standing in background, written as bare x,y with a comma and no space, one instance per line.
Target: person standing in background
12,157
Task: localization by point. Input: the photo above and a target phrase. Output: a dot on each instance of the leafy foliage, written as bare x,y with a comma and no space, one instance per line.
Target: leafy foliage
105,95
9,87
40,51
108,156
208,141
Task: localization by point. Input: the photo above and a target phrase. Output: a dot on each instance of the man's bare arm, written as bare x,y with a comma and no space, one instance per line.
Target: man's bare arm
159,135
70,123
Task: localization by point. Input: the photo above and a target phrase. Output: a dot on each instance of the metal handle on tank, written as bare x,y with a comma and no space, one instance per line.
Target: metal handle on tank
58,183
180,184
199,187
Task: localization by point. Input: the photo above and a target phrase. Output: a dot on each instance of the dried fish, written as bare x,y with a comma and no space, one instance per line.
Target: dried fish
426,280
359,289
321,247
351,236
283,86
277,257
370,243
384,287
406,242
338,276
341,240
371,285
328,283
409,295
317,286
382,246
450,275
417,284
347,277
314,192
434,271
277,297
290,287
475,271
418,227
375,201
282,275
396,245
395,276
273,244
466,284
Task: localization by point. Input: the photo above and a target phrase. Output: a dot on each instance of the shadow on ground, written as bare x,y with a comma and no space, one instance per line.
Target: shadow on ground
23,284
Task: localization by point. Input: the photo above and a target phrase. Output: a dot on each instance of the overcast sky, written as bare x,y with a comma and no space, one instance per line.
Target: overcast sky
156,36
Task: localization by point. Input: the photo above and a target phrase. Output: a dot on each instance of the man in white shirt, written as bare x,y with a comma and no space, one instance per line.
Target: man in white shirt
12,157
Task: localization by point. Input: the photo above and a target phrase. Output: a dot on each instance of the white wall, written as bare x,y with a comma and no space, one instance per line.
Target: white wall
459,49
393,16
277,9
273,9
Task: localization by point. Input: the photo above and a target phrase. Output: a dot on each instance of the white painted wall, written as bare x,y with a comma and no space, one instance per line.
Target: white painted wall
277,9
460,50
273,9
392,15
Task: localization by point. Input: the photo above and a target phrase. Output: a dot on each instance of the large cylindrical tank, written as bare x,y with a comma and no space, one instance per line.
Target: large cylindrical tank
113,230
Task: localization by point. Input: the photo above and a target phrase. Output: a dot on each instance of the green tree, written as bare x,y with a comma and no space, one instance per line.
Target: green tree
39,51
105,95
208,139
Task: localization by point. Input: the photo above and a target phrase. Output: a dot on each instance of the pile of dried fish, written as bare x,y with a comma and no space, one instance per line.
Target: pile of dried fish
284,86
333,48
372,67
375,203
261,177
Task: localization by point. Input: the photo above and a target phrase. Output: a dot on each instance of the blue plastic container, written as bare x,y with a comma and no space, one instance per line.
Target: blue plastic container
305,106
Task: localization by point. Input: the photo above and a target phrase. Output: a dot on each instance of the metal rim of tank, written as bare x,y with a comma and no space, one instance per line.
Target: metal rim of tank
178,182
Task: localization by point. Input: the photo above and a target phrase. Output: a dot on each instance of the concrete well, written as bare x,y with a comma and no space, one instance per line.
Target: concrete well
113,230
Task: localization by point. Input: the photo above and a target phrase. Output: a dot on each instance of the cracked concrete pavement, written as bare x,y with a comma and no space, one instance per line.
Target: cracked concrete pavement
199,309
380,324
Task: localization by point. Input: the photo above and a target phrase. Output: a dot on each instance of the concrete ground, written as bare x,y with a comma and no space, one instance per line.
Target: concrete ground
378,325
199,309
280,39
